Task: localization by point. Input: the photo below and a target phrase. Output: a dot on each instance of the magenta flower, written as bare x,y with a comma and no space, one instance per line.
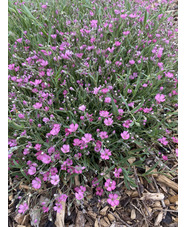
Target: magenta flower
36,183
163,141
65,149
105,154
125,135
58,207
103,135
21,116
87,138
45,159
37,105
93,23
132,62
55,130
54,179
99,191
82,108
23,208
79,196
108,121
123,16
160,98
117,172
113,200
32,170
73,128
107,100
103,113
110,185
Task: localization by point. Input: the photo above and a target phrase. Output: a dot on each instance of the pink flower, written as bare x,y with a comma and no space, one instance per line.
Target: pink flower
36,183
21,116
32,170
45,159
103,113
105,90
127,123
65,148
113,200
105,154
82,108
110,185
73,128
94,182
123,16
117,43
125,135
103,135
107,100
99,191
108,121
176,152
45,209
79,196
58,207
55,130
163,141
87,138
117,172
164,157
23,208
160,98
54,179
93,23
132,62
37,105
169,75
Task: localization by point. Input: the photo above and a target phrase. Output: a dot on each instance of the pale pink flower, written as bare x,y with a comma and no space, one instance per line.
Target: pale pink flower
55,130
132,62
87,138
23,208
93,23
58,207
45,158
99,191
79,196
103,135
103,113
123,16
65,148
82,108
163,141
54,179
117,172
113,200
108,100
37,105
125,135
105,154
36,183
32,170
73,127
108,121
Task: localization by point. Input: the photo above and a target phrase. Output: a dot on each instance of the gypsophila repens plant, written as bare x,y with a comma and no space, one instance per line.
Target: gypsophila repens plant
91,84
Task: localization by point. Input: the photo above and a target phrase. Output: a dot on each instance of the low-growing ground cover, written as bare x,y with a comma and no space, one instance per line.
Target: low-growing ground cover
92,101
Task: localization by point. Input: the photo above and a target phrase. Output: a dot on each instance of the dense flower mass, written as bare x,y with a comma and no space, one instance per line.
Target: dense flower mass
90,86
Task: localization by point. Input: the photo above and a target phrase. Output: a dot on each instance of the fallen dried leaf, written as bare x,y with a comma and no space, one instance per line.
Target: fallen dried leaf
152,196
19,218
92,214
133,214
25,220
173,199
104,211
103,223
80,219
96,223
159,218
21,225
168,182
167,202
111,217
107,220
131,160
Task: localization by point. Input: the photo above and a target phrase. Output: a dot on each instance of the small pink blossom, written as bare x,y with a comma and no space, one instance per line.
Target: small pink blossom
55,179
58,207
87,138
103,113
108,121
107,100
160,98
99,191
103,135
105,154
73,127
163,141
117,172
110,185
32,170
125,135
65,149
132,62
82,108
23,208
37,105
79,196
165,158
113,200
55,130
36,183
45,158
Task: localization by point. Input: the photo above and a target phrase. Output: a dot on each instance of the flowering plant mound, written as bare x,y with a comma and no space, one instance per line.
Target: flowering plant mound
91,84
